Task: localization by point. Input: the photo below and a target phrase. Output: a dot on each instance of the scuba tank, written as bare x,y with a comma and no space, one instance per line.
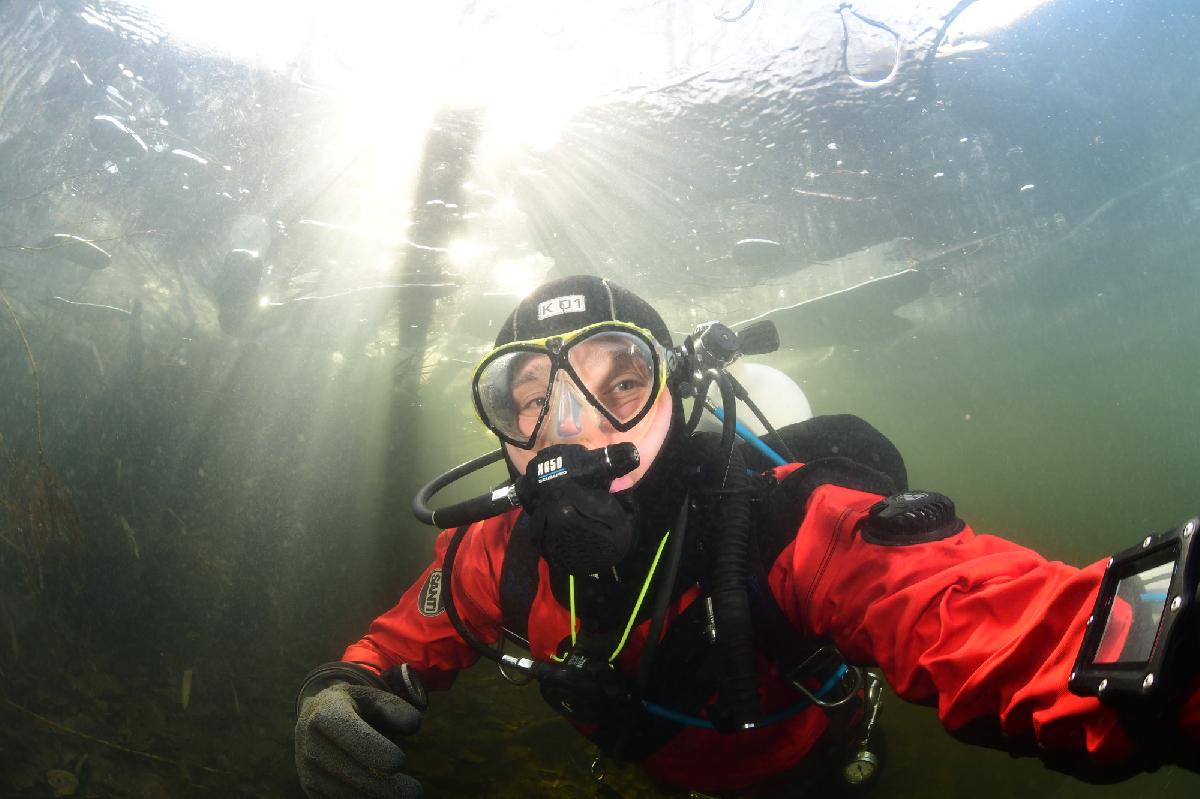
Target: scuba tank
779,398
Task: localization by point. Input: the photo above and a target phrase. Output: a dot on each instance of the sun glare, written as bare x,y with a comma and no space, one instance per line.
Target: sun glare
529,66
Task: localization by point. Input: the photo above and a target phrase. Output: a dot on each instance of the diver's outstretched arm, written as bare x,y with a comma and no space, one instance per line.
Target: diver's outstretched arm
984,628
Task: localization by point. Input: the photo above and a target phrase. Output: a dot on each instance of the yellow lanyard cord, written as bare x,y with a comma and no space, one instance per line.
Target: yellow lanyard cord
571,594
636,607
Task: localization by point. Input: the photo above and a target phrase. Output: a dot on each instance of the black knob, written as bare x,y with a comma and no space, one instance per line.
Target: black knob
758,338
720,342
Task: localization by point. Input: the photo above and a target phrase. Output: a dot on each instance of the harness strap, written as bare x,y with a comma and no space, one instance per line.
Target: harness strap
686,671
684,676
519,581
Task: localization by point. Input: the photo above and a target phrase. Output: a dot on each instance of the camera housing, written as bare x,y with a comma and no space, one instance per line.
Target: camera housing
1143,621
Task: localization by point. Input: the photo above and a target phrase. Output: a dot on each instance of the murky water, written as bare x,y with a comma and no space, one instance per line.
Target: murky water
250,255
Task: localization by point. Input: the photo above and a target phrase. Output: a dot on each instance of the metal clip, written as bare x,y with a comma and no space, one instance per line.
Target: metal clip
839,673
597,769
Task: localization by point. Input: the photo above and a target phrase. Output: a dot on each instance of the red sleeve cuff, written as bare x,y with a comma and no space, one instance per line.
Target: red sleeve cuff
1189,713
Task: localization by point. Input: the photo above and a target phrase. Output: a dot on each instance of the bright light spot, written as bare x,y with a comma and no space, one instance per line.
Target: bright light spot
986,16
527,66
264,301
520,275
946,49
506,206
466,253
338,359
528,122
186,154
119,125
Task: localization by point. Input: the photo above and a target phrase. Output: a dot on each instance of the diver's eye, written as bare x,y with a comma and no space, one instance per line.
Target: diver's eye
625,394
626,384
533,405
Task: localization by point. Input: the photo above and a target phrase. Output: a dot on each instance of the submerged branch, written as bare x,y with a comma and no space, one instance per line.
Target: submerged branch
37,391
5,539
54,725
74,240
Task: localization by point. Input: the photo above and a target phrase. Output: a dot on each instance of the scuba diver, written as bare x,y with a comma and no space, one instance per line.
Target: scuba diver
709,608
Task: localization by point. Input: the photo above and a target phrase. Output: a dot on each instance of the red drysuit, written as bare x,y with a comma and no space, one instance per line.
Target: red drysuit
983,627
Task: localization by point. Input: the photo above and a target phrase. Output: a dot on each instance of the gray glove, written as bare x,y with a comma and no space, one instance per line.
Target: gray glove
343,743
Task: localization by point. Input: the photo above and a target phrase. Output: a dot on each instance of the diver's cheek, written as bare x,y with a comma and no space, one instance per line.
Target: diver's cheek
519,458
648,435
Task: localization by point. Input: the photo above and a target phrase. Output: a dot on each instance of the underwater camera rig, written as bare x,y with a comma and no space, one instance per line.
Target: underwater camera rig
1141,638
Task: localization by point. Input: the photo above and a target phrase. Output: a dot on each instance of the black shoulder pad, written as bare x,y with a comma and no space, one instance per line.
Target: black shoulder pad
783,511
840,435
913,517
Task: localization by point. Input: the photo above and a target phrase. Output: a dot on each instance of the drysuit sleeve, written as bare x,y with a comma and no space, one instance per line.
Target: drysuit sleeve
984,628
417,630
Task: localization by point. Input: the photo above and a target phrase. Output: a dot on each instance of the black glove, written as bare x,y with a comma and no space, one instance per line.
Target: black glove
346,722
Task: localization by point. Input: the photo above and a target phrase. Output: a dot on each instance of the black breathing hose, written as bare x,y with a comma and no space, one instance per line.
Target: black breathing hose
701,392
448,597
740,391
729,422
663,598
464,512
730,573
524,665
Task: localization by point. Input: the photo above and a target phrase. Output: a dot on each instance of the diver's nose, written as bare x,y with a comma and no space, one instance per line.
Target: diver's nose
568,415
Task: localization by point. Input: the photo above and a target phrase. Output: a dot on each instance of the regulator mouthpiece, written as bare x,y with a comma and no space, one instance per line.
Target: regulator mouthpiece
623,458
594,468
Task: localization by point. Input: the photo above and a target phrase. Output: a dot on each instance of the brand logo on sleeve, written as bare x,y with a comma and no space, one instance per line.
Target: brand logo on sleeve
572,303
429,600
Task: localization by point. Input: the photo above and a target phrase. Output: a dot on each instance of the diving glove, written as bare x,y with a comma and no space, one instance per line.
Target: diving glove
347,720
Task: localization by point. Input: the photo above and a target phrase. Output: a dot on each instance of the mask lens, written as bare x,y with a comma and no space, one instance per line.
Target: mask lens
618,371
512,390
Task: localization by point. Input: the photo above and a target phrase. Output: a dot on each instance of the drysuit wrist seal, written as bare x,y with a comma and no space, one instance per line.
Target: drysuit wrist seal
1141,643
399,680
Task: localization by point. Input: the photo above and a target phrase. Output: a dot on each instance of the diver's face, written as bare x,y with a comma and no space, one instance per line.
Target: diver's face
611,370
623,384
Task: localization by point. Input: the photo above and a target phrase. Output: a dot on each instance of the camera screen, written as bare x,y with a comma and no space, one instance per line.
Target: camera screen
1131,629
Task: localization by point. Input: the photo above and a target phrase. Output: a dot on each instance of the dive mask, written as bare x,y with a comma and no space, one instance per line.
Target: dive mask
614,369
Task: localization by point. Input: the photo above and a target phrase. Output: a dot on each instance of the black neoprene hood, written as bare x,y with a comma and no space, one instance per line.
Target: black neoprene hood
570,303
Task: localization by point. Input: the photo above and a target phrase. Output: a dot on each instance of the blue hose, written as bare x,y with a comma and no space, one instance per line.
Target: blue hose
774,718
748,436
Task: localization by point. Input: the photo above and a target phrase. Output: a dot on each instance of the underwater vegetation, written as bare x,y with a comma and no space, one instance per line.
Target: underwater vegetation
41,512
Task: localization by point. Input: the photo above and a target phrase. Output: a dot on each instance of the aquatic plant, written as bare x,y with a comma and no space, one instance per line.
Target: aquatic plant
39,506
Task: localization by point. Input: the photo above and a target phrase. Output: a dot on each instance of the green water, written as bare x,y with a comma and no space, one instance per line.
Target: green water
237,403
1071,437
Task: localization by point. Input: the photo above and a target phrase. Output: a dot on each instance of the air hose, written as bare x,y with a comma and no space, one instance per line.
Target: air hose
729,579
